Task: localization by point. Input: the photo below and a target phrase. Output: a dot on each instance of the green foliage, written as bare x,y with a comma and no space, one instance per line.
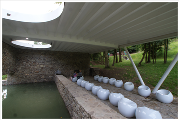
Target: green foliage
111,51
37,43
4,77
133,49
58,3
95,56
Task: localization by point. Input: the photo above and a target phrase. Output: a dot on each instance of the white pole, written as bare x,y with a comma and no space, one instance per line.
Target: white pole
166,74
137,72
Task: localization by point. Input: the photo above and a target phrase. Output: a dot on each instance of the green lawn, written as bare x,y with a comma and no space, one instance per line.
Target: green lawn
152,73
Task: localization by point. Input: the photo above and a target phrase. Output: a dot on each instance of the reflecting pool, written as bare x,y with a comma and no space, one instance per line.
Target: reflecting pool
33,101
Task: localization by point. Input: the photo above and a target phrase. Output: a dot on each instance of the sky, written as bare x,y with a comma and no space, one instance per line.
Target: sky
30,7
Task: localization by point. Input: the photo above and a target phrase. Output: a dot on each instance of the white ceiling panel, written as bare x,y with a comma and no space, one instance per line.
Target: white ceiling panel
91,27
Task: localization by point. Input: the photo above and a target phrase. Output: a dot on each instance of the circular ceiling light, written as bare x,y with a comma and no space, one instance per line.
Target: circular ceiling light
31,44
31,11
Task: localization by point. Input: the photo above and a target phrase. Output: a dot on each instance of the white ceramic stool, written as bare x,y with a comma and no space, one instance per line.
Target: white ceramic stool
103,94
127,107
129,86
115,97
105,79
147,113
95,89
118,83
144,90
164,96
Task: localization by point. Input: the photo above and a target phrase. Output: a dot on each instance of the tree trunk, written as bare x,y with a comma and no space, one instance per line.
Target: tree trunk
116,56
92,56
120,60
149,54
106,59
145,53
142,59
166,48
103,57
164,51
153,52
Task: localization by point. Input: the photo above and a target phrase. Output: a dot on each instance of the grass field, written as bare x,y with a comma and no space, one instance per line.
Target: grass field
152,73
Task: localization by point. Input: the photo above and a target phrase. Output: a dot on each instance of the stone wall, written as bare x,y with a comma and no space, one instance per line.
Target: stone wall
40,65
8,59
94,71
76,111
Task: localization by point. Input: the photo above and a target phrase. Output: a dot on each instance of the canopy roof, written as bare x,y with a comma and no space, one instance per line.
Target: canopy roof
95,27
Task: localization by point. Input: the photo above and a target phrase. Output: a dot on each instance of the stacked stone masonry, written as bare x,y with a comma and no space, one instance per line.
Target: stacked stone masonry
27,66
94,71
8,59
81,104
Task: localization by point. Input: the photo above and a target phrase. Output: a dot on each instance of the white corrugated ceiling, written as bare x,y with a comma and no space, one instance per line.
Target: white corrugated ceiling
94,27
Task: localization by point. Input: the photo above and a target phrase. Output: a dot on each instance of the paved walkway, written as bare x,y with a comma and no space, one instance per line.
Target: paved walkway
168,111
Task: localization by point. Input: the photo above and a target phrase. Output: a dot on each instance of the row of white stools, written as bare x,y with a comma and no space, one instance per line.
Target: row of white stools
126,107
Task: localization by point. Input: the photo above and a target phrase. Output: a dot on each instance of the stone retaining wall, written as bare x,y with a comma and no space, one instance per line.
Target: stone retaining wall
75,110
94,71
8,59
27,66
81,104
4,82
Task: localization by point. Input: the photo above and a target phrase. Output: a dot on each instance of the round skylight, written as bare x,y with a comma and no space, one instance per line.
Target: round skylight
31,44
31,11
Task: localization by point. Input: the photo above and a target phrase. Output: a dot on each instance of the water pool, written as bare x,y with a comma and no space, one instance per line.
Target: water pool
33,101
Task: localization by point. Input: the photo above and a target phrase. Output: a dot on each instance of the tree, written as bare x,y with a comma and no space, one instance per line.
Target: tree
133,49
145,53
149,53
114,57
103,57
143,48
106,59
166,42
96,56
156,48
153,52
58,3
120,60
164,51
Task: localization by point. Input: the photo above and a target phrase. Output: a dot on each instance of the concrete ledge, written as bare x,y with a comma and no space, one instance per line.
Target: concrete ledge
81,104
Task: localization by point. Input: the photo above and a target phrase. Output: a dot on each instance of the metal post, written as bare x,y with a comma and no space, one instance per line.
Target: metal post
137,72
166,74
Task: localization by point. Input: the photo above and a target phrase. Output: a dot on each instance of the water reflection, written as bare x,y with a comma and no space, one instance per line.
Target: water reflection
33,101
4,94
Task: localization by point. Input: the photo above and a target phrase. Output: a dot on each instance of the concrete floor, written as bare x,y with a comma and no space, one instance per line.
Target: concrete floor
168,111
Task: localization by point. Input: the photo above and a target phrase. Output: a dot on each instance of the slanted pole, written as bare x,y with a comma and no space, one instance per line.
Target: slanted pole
137,72
166,74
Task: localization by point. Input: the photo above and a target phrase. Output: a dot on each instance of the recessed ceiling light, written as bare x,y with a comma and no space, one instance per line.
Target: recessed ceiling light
31,44
26,38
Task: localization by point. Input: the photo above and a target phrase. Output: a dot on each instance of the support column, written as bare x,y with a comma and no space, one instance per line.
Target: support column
137,72
166,74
